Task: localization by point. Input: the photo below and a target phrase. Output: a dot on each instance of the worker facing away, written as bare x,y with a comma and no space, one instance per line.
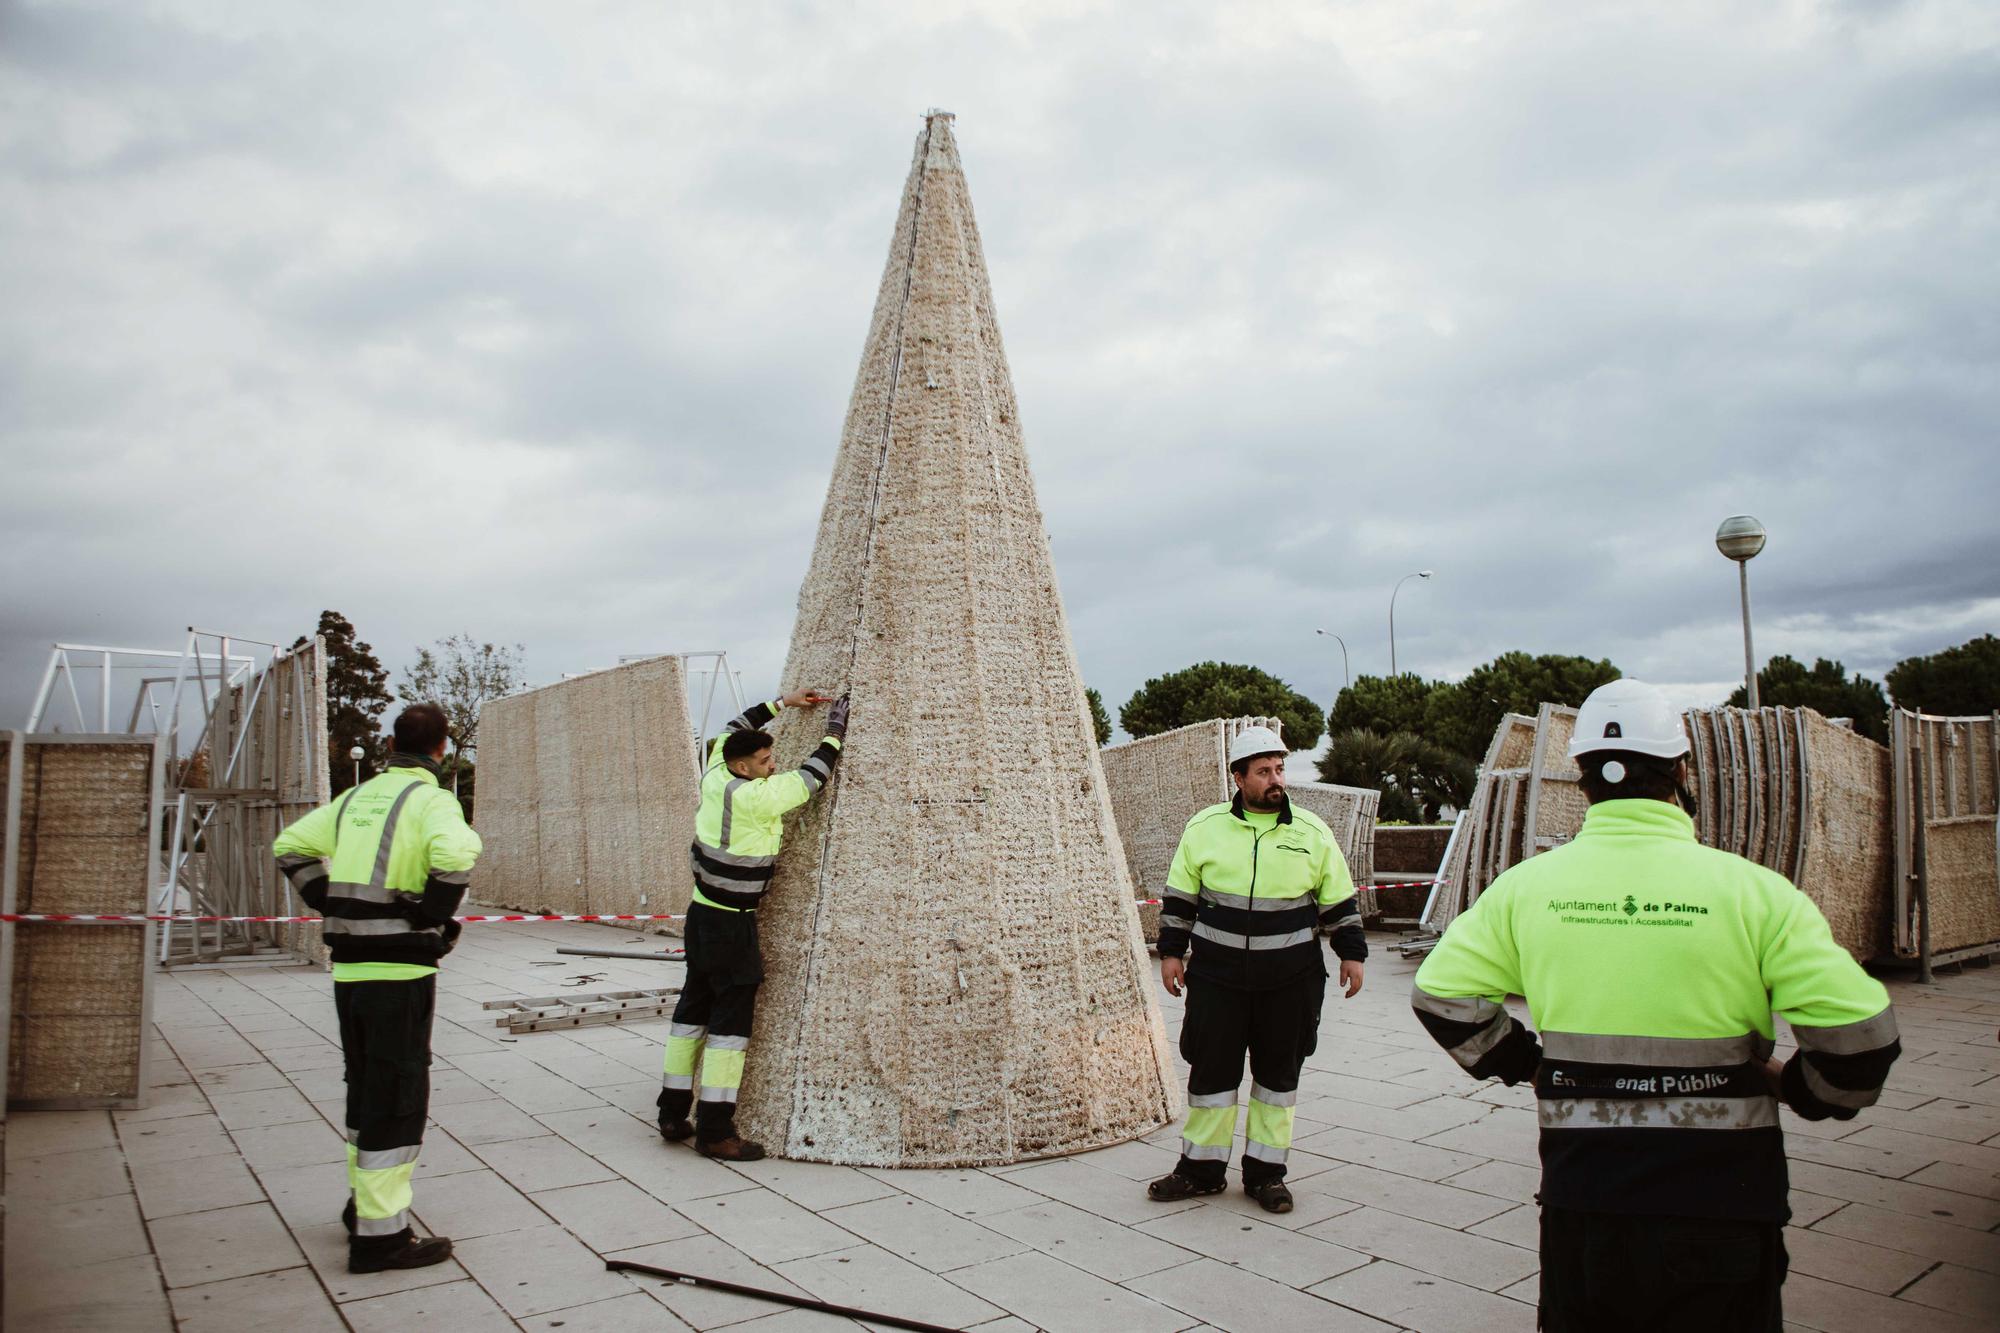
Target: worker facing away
386,865
737,833
1652,967
1254,882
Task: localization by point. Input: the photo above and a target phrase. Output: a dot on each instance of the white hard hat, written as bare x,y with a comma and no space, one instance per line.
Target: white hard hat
1629,715
1253,741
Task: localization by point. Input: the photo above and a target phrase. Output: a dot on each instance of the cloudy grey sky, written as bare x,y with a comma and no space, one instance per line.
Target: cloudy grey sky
488,317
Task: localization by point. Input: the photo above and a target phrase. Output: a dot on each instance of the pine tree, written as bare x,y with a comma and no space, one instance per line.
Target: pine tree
356,695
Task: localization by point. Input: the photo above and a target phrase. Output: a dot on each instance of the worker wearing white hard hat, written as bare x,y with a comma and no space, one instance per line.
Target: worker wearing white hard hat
1653,966
1254,884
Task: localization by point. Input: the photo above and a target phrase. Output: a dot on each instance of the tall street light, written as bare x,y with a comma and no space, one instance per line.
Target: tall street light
1346,678
1740,538
1420,574
357,754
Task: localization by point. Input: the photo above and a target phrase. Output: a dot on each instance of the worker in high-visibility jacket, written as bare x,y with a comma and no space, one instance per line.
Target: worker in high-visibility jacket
737,833
1255,882
386,864
1652,967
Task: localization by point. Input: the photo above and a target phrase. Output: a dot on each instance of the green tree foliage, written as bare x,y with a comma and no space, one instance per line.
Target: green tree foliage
356,695
1957,682
1382,704
1416,777
1099,719
459,676
1221,689
1461,716
1784,681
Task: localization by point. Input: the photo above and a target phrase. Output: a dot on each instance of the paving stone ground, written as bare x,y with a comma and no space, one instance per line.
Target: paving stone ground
216,1207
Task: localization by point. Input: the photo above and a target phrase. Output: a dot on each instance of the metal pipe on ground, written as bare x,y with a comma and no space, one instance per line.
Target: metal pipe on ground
778,1297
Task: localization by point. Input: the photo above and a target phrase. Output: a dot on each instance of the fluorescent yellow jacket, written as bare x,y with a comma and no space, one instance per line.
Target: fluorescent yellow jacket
741,822
1652,967
1254,893
387,864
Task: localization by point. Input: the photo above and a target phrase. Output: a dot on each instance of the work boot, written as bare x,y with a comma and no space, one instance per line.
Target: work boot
1272,1194
412,1253
347,1216
735,1148
1173,1187
677,1131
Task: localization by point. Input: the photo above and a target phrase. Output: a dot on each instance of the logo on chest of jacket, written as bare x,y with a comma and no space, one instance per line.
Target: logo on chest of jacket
1287,847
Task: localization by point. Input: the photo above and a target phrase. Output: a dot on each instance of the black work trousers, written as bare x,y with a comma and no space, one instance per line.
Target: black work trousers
1278,1029
712,1021
385,1039
1641,1274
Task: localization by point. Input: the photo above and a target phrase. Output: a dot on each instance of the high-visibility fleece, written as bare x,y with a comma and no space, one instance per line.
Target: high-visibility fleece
386,865
740,824
1652,967
1253,889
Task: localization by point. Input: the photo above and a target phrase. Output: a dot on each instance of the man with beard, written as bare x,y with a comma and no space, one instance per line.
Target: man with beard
1255,882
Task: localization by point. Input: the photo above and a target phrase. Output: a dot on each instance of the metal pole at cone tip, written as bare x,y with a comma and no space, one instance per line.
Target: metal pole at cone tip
1740,538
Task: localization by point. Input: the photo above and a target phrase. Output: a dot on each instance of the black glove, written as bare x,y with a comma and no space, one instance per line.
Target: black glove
836,719
451,930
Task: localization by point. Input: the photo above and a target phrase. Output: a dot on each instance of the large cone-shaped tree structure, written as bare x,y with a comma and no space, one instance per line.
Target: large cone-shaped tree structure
954,968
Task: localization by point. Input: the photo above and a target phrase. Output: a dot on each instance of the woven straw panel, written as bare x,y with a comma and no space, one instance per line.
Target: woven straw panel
1961,876
1157,784
78,1015
1350,813
954,970
1848,837
587,794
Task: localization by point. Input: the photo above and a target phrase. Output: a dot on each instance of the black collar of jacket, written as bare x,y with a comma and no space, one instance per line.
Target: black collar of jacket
401,760
1284,808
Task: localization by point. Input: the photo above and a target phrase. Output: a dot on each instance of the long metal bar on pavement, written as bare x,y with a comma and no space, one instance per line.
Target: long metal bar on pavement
776,1297
675,956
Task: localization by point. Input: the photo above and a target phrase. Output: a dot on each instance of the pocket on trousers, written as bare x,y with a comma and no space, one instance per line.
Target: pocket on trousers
413,1086
1721,1253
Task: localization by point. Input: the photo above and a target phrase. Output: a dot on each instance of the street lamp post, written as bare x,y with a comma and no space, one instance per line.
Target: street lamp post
356,754
1740,538
1420,574
1346,677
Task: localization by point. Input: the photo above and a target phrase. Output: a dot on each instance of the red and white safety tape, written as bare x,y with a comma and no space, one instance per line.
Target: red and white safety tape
88,918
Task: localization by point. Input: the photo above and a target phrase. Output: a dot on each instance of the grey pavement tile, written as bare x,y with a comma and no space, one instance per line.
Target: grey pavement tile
703,1307
106,1296
544,1163
449,1088
206,1049
445,1155
1275,1252
1310,1203
1927,1146
1436,1250
613,1215
1520,1225
1073,1181
632,1148
1418,1120
1529,1291
1136,1160
1503,1180
40,1133
814,1185
234,1079
1898,1196
1962,1291
457,1306
530,1272
223,1243
1965,1121
1239,1301
634,1312
66,1177
868,1277
1090,1242
964,1192
326,1250
56,1233
321,1085
257,1110
303,1059
1350,1089
308,1196
1059,1299
165,1101
175,1185
1828,1307
473,1203
1505,1135
301,1143
1976,1180
290,1298
924,1233
1808,1209
1929,1238
1406,1298
767,1227
1851,1156
489,1120
180,1138
1426,1200
1425,1161
1852,1263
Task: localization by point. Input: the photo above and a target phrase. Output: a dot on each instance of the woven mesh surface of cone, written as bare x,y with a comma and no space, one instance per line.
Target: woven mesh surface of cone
587,794
954,973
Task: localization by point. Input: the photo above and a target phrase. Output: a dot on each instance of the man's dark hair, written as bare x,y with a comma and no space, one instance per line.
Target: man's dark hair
1242,766
1646,777
420,729
743,744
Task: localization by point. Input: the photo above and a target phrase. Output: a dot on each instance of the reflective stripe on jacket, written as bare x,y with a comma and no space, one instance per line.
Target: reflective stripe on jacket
1652,966
741,822
1255,899
386,864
